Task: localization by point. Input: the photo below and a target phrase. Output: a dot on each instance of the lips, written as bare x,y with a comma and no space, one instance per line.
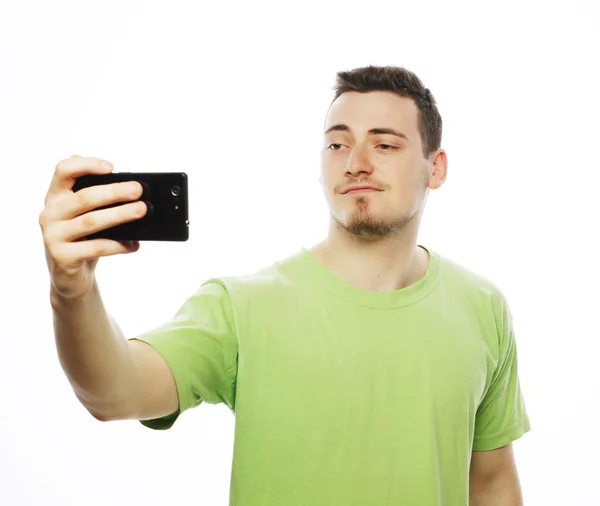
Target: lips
361,187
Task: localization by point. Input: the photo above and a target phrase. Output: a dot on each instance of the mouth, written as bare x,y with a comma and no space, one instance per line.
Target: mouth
360,189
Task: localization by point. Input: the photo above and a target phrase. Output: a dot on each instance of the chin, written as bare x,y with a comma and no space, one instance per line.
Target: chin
367,224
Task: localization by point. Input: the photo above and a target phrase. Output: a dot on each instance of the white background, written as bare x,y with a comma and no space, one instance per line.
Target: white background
235,94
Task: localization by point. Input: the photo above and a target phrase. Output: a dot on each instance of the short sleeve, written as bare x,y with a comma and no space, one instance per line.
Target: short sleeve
200,346
502,416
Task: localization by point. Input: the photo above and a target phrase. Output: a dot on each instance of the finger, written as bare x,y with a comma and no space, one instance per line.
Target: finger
72,205
75,253
70,169
101,219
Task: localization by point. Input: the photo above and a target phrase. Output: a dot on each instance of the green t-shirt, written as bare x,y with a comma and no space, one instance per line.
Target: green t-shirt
343,396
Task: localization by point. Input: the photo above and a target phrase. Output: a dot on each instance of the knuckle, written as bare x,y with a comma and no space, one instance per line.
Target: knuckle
55,252
129,210
97,251
50,201
60,166
43,218
62,169
124,189
88,221
46,216
83,199
50,239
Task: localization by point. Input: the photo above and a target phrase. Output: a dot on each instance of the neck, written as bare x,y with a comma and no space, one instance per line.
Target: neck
381,265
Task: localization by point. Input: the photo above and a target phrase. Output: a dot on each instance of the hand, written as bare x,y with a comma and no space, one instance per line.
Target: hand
70,216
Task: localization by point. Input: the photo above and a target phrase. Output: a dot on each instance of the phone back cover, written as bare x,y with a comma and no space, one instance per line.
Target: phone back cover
167,217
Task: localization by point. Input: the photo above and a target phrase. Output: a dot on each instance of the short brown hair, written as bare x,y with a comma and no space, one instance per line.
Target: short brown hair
403,82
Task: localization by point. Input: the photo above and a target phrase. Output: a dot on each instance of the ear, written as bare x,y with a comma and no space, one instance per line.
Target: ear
440,170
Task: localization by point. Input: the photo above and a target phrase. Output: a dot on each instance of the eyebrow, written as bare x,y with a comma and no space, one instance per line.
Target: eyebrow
374,131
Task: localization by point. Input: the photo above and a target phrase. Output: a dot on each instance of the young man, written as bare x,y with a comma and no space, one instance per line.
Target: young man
366,370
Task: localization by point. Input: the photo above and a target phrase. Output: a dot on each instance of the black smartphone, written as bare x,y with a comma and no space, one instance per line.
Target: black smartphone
165,195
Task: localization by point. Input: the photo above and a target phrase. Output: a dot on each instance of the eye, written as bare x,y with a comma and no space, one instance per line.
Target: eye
388,147
334,144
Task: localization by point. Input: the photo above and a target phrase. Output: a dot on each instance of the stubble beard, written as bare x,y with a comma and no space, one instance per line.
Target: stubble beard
364,224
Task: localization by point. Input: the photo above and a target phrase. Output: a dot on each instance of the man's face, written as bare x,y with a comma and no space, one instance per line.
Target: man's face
361,148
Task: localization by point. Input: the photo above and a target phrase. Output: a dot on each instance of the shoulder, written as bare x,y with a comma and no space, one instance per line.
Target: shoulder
474,287
277,276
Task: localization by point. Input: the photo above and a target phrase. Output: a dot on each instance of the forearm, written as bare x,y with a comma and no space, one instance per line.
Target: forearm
93,353
496,493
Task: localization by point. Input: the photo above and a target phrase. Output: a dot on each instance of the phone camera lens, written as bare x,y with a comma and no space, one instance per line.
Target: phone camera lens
175,191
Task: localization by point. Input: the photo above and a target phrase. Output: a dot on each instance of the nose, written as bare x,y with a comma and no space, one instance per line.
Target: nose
358,162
